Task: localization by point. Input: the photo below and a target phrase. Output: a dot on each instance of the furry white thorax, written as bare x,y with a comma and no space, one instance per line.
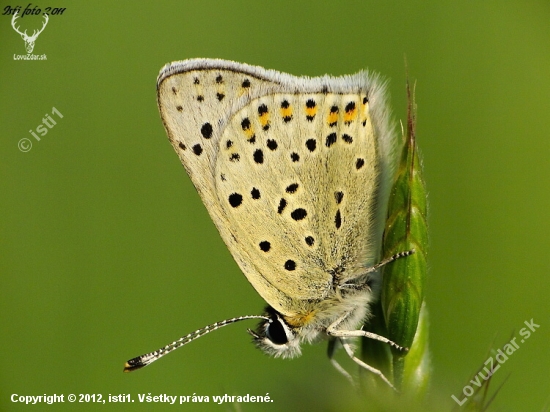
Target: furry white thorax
351,307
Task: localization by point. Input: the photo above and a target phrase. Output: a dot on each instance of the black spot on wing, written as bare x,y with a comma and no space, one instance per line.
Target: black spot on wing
292,188
235,199
282,205
331,139
347,138
245,123
259,156
338,219
298,214
311,144
206,130
290,265
265,246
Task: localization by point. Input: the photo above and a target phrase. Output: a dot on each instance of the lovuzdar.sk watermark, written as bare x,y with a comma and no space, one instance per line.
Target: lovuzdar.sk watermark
491,366
17,13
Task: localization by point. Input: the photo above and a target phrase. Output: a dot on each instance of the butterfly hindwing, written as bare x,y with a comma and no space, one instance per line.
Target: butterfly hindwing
299,193
289,169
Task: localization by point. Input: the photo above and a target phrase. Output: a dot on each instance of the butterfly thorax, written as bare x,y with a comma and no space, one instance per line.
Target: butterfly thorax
282,335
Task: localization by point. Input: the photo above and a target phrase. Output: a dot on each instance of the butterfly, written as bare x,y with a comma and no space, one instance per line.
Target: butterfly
295,174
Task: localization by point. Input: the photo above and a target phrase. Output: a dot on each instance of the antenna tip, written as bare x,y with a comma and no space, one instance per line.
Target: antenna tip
133,364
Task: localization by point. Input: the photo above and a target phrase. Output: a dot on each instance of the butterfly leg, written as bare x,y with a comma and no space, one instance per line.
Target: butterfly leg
339,333
343,335
350,353
332,346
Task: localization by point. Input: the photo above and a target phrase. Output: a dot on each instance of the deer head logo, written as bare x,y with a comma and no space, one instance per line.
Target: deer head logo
29,40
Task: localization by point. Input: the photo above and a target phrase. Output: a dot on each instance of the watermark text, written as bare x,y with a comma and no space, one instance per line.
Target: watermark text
491,366
42,129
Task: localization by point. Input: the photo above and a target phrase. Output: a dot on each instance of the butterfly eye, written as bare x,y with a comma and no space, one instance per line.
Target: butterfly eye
276,333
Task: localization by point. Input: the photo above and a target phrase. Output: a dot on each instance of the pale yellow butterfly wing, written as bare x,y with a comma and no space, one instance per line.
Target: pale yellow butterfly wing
290,169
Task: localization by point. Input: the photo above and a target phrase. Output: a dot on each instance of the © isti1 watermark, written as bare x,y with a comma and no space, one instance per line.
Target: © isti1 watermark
501,357
25,144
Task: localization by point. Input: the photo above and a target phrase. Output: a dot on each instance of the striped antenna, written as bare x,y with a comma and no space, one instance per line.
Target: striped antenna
390,259
148,358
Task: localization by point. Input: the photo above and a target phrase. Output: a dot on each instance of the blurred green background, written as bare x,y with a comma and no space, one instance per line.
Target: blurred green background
106,251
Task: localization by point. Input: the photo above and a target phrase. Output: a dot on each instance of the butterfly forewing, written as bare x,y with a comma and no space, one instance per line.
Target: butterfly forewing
194,98
193,101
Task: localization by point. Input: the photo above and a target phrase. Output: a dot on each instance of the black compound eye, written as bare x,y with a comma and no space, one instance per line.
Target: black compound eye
275,332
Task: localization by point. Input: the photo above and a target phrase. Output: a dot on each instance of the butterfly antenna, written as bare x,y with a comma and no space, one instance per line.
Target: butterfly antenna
390,259
148,358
